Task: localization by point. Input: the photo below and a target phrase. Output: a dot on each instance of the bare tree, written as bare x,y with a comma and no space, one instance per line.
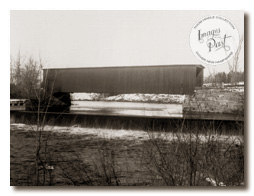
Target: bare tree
234,64
24,77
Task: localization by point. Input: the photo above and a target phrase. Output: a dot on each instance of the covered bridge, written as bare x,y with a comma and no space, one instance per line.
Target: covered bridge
160,79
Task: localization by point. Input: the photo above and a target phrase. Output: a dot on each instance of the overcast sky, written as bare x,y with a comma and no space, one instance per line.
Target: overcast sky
111,38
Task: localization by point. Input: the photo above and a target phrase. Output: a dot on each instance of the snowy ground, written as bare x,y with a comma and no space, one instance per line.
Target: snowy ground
134,135
235,89
226,88
137,97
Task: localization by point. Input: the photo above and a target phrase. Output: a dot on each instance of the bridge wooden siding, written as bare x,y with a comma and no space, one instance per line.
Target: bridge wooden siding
166,79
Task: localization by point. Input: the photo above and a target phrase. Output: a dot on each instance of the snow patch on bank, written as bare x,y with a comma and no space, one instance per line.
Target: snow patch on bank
85,96
136,97
135,135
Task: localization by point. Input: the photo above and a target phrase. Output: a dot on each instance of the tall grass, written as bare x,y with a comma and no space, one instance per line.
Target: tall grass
196,158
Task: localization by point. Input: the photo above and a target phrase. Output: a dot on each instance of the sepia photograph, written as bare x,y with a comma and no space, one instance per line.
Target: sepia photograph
127,98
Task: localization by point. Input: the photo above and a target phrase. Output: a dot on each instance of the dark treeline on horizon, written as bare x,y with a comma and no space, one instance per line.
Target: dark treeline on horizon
222,77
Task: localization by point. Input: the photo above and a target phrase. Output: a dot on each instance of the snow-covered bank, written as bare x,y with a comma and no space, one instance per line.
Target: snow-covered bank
134,135
137,97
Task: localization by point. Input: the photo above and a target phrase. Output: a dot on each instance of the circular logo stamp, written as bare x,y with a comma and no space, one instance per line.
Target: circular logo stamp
214,40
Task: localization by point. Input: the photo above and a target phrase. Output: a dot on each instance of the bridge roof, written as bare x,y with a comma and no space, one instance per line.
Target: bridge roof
130,66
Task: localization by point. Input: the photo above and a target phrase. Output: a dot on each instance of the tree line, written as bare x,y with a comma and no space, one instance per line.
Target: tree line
222,77
25,77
